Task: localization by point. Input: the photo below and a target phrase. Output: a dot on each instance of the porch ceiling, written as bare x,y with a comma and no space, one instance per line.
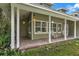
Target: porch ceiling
36,9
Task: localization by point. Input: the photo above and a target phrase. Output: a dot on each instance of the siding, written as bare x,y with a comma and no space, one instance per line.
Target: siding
78,29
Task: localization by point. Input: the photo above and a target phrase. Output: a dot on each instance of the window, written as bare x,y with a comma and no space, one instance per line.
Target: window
54,27
59,28
41,26
38,25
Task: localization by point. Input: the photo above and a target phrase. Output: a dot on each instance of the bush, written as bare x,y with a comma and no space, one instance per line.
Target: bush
4,41
9,52
4,30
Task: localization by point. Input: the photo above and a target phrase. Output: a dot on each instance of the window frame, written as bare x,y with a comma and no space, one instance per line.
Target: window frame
57,28
53,27
40,27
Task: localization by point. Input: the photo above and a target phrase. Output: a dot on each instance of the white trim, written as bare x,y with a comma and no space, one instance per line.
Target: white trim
50,29
12,28
74,29
65,23
18,28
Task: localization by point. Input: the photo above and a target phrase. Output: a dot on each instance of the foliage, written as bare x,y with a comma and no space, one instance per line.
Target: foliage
4,30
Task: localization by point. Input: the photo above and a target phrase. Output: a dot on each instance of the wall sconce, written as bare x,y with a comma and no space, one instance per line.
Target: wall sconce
23,22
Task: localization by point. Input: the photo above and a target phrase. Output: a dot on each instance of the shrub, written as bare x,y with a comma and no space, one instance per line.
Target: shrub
4,30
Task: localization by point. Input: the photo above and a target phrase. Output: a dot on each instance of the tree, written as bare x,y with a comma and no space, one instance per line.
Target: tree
4,30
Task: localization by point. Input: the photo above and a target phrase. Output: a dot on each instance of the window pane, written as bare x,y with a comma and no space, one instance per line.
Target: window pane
43,24
43,29
54,25
38,24
54,29
38,29
59,27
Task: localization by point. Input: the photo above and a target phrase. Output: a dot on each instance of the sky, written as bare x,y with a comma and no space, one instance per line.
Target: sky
72,7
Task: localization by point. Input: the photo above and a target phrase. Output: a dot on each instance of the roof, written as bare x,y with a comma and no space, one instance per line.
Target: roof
47,9
64,9
49,4
77,12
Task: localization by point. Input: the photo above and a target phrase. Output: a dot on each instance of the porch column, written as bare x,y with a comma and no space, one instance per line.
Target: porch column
12,28
32,26
74,29
18,28
50,29
65,25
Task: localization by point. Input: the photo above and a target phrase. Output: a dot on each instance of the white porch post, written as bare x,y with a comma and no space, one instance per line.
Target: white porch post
74,29
18,28
32,26
50,29
65,25
12,28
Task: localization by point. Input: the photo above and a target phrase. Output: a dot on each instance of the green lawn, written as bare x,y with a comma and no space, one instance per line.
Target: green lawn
70,47
66,48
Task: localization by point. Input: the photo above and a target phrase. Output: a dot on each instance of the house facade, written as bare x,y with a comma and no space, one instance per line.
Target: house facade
32,22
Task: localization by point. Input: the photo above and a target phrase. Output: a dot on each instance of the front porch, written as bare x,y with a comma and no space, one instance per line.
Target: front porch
26,44
26,31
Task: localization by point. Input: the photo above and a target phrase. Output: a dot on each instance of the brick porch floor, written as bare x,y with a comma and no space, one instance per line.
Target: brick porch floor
25,44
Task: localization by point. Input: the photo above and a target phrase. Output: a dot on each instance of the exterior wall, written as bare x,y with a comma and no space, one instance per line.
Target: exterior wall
71,28
24,26
77,29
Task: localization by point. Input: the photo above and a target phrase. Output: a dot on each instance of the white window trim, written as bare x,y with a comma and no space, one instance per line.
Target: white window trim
41,26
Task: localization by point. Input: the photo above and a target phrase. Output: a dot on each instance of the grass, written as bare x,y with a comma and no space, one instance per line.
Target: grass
65,48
